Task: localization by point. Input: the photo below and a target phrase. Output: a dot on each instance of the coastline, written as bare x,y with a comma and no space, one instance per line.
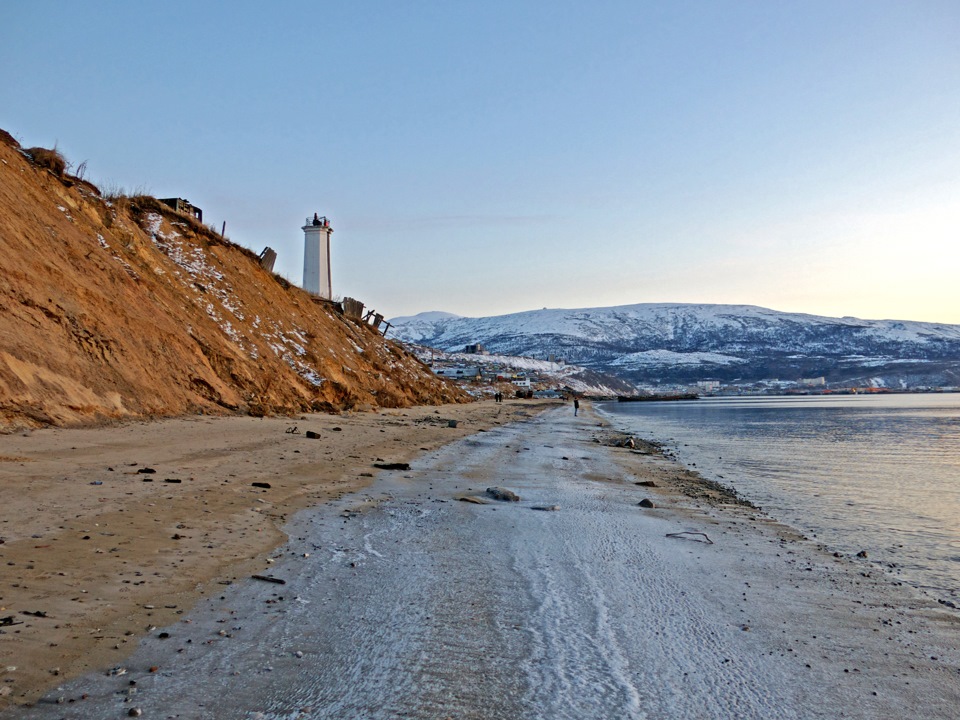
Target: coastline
485,600
103,551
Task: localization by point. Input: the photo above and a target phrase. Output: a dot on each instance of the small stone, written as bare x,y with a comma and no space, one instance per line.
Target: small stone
134,712
646,503
299,653
862,554
498,493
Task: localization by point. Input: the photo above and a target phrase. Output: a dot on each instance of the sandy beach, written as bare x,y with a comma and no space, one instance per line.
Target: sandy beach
104,549
412,593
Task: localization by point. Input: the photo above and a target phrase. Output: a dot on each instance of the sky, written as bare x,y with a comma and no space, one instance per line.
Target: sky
483,158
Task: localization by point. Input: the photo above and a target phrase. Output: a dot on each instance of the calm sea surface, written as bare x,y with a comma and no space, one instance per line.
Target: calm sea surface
878,473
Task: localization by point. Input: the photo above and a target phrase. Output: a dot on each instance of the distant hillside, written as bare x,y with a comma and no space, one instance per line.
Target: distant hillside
546,375
675,343
128,309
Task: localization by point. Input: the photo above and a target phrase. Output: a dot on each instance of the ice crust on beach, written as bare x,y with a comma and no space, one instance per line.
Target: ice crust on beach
402,602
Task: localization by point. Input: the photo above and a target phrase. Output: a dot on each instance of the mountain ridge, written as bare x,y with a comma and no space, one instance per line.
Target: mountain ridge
676,343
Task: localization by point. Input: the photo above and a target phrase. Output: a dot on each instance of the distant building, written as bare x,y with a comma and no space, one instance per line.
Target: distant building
547,394
460,373
475,349
708,385
812,382
184,206
521,382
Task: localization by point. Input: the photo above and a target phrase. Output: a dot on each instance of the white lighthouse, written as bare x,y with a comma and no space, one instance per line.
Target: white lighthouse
316,256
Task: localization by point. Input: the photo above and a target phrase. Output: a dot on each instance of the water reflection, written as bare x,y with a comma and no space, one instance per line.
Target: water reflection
873,472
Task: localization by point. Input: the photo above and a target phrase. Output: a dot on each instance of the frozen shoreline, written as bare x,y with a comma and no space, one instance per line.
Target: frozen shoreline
401,601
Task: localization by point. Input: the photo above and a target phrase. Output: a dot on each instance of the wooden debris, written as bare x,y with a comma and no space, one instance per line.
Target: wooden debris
685,535
473,499
269,579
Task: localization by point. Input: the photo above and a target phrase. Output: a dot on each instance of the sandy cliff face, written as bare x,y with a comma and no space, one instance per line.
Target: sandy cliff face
128,309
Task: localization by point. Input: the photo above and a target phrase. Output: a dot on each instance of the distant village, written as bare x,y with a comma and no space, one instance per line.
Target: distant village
482,373
486,372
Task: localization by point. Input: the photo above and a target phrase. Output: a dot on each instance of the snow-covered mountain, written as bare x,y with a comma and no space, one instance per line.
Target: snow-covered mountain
657,343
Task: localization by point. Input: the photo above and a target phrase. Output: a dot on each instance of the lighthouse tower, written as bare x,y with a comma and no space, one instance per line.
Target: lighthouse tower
316,256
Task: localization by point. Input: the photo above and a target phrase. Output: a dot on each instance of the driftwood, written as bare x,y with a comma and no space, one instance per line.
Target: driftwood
473,499
269,579
685,535
392,466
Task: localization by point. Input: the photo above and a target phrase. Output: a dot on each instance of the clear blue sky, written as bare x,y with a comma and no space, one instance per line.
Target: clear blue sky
490,157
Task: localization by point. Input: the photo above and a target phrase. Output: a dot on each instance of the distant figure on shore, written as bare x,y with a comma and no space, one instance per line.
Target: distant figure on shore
576,406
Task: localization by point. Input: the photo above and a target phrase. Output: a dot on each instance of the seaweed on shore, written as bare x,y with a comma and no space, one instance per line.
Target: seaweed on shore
690,482
694,485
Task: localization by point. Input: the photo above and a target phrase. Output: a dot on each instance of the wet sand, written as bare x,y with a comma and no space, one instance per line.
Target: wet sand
103,550
401,600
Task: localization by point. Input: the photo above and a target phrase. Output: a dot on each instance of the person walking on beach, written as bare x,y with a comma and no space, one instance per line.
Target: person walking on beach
576,406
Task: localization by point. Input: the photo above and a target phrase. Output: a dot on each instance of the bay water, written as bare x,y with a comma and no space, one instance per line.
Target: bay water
879,473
